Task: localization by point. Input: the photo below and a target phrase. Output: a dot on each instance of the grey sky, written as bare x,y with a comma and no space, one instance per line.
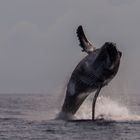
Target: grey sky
39,48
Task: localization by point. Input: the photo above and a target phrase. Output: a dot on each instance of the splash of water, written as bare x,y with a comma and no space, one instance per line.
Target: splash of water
107,109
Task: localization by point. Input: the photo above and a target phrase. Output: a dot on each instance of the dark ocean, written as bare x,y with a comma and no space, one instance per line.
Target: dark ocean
32,117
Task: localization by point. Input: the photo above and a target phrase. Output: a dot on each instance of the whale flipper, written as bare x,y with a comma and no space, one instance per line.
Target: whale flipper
94,102
84,43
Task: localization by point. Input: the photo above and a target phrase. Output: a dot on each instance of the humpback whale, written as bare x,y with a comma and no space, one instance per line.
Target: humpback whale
92,73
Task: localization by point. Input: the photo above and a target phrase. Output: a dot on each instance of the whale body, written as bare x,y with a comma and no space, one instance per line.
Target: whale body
92,73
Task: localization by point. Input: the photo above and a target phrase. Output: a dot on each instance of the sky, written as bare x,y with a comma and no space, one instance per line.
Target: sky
39,48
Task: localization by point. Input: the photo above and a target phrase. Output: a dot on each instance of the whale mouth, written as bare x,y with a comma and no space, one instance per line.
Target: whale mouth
111,49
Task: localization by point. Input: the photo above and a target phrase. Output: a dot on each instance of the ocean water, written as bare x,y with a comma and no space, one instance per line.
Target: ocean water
32,117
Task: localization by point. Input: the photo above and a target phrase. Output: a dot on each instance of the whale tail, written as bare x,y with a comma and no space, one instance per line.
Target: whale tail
84,42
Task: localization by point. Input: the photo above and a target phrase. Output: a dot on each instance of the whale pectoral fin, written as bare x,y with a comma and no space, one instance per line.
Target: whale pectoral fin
84,43
94,102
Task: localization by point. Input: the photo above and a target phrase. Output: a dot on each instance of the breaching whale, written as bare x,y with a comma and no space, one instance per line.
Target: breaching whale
95,71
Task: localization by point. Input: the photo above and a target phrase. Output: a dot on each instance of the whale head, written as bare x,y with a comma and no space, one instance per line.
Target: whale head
109,56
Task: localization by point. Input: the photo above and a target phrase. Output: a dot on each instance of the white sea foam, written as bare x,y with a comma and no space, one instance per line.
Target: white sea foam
107,109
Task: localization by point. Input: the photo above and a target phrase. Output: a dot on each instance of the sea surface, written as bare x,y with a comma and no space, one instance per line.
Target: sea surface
32,117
